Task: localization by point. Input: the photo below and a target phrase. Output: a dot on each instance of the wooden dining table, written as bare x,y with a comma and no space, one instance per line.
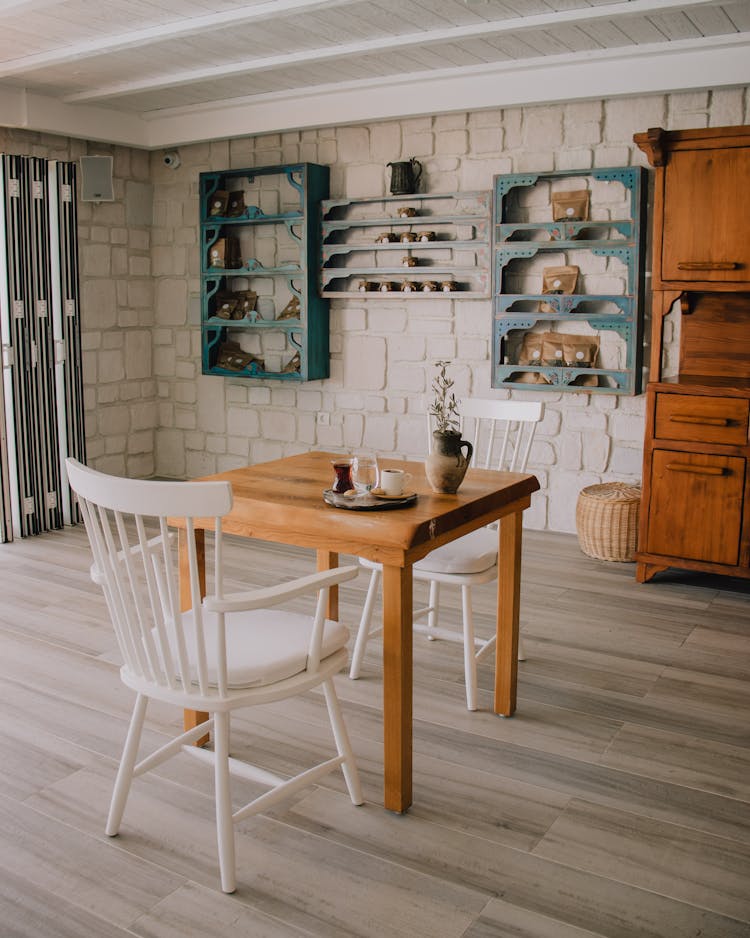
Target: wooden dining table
282,501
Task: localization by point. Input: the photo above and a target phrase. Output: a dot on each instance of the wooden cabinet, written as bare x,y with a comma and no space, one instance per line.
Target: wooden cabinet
695,510
695,481
707,234
701,207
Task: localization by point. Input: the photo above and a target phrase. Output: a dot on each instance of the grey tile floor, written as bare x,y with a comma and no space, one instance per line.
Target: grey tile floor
615,803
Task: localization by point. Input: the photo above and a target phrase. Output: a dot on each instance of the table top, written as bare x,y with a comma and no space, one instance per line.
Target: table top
282,501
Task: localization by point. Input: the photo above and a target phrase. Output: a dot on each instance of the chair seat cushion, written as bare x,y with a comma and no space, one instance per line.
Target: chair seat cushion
472,553
263,646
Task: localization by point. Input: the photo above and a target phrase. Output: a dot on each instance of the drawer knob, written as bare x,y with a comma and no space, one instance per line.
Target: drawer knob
697,470
702,421
707,265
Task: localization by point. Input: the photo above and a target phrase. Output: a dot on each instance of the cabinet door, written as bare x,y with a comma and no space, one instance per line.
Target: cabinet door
707,216
696,506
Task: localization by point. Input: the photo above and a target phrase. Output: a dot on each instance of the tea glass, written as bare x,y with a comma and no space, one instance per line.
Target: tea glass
343,479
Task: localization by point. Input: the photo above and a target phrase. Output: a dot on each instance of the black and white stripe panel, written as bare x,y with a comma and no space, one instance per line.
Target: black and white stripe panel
44,421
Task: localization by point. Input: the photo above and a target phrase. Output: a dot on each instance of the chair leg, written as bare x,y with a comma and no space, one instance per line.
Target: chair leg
127,764
364,631
224,822
470,661
343,746
433,604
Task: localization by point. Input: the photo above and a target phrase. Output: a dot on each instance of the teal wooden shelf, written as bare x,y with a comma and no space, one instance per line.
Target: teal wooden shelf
275,238
520,242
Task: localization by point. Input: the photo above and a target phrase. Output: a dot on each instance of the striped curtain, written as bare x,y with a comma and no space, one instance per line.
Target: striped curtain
42,393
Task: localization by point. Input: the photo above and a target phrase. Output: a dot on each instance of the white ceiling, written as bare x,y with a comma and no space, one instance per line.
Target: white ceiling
154,73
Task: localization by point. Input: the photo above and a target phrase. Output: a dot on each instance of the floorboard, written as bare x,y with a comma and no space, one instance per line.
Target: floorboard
616,803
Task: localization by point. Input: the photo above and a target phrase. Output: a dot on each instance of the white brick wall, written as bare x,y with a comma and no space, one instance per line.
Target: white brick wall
383,351
150,411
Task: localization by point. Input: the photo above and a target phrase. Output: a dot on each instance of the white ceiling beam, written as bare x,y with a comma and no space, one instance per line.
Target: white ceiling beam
162,32
38,112
669,67
387,43
687,65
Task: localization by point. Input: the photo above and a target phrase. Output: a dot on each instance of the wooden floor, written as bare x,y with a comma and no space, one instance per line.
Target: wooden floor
615,803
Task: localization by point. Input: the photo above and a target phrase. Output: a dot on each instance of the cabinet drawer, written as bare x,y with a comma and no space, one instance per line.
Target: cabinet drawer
697,419
696,506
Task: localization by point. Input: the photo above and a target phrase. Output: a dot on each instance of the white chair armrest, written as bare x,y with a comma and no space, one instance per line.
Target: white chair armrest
273,595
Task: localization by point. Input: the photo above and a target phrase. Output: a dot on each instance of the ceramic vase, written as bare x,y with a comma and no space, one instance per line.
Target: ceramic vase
446,465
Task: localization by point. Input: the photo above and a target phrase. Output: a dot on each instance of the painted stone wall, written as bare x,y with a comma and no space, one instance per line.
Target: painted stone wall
383,351
117,306
150,411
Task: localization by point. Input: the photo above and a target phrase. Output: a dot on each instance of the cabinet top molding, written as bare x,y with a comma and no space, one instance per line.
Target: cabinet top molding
657,143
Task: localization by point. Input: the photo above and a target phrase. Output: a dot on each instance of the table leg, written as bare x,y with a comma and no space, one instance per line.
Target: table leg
508,603
191,718
327,560
397,687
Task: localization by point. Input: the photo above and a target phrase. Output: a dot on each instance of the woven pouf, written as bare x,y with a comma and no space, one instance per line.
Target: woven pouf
607,520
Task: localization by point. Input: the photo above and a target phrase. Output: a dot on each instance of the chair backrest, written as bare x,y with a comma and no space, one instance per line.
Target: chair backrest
500,431
135,562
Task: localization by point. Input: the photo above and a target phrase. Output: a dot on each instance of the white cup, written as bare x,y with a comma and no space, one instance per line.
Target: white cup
392,481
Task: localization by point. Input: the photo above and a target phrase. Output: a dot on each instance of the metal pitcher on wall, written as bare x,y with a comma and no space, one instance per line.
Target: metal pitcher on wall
405,176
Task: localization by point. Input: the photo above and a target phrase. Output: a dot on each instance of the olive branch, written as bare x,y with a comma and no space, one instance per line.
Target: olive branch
444,407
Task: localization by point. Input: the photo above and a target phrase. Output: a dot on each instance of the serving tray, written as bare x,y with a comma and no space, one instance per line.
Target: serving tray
367,502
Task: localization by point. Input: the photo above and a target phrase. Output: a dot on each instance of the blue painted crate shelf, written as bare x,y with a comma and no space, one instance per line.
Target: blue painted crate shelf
520,242
283,228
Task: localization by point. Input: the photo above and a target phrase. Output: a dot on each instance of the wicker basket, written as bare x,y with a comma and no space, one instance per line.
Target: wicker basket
607,520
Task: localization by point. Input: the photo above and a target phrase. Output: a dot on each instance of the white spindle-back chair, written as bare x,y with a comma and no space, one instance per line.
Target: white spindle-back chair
502,433
228,650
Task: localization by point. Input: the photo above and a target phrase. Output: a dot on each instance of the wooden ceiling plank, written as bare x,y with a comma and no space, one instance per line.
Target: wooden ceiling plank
163,31
712,21
724,50
522,25
739,14
675,25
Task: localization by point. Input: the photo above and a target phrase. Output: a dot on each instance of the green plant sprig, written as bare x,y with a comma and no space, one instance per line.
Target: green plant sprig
444,407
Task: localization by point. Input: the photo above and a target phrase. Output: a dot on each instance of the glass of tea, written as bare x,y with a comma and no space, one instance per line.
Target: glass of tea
342,481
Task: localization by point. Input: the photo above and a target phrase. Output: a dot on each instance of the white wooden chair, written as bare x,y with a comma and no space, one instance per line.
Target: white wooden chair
502,433
229,650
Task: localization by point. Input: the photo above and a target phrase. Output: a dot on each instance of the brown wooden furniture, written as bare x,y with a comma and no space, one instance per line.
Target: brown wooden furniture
283,501
695,509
